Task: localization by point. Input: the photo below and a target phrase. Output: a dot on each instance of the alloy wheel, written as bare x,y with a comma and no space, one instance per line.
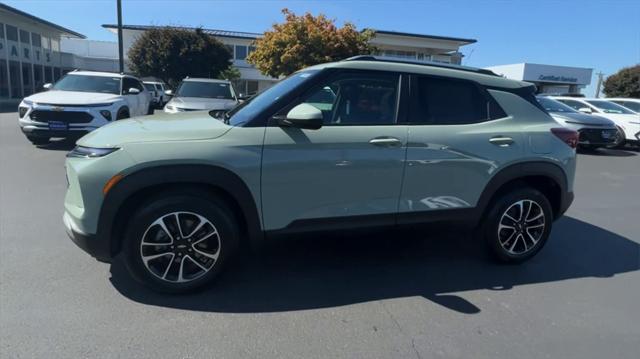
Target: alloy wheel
521,227
180,247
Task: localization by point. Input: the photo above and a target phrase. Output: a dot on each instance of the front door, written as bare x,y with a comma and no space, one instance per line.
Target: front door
349,171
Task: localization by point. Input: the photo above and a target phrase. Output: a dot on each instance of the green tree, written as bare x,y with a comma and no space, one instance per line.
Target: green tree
624,83
172,54
307,40
230,74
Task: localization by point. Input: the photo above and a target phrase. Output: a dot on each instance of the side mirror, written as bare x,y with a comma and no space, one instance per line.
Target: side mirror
585,110
47,86
133,91
303,116
168,92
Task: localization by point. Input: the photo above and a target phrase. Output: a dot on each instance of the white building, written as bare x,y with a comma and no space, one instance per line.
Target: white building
549,79
389,43
30,53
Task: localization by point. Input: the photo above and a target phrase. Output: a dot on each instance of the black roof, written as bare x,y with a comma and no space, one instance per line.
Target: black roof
424,36
421,63
214,32
42,21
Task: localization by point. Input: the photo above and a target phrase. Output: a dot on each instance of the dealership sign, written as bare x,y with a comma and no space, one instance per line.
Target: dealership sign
553,78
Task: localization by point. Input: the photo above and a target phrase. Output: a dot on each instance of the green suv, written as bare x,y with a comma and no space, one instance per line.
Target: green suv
357,143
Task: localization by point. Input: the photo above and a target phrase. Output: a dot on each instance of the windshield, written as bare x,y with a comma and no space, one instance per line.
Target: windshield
246,110
149,87
219,90
610,107
85,83
554,106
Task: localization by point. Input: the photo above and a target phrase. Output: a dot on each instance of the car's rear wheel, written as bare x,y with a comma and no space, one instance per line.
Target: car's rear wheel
38,141
180,242
518,225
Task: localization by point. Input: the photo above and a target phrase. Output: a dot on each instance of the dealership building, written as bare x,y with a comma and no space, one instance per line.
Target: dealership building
393,44
549,79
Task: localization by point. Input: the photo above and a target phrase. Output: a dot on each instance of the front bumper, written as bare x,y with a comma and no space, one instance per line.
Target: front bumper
90,243
596,136
78,120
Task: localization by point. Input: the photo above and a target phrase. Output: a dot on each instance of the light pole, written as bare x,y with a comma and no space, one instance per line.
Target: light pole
120,51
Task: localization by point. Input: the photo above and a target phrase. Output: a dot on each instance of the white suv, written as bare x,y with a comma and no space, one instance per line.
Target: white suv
81,102
627,121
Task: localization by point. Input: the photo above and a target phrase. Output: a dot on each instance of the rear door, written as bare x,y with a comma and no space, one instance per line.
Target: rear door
458,138
348,172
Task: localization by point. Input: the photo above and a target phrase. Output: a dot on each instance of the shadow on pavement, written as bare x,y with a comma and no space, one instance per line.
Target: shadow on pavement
310,273
609,152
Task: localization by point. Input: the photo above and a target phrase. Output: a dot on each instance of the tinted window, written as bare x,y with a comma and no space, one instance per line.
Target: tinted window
241,52
85,83
149,87
36,40
24,37
610,107
357,99
12,33
554,106
634,106
131,83
451,102
218,90
576,105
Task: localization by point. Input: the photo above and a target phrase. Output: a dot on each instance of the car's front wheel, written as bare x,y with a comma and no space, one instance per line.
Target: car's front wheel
180,242
518,225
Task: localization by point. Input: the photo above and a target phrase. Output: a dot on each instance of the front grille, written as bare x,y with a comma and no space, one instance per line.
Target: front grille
61,116
591,135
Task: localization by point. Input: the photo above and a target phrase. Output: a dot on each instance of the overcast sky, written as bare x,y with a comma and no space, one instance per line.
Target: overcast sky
603,35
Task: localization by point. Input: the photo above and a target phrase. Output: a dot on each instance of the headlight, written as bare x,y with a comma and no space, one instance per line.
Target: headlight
90,152
106,114
106,104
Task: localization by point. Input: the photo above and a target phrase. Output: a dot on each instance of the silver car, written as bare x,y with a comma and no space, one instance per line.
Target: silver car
595,131
200,94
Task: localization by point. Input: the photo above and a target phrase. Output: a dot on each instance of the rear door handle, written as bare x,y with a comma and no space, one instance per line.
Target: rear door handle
385,141
501,141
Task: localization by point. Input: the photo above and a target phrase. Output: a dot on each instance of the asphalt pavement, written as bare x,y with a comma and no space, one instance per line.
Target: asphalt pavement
386,295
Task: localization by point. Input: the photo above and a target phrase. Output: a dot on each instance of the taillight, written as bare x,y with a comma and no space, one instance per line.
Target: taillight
570,137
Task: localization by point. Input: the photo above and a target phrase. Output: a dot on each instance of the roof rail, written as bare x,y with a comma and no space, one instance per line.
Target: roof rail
421,63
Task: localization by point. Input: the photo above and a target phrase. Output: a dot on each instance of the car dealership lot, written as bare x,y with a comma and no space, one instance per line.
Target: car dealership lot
395,294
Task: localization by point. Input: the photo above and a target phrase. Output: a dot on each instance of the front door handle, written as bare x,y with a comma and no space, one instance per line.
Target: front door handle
502,141
385,141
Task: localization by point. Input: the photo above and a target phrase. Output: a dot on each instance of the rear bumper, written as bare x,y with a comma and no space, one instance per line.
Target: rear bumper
90,243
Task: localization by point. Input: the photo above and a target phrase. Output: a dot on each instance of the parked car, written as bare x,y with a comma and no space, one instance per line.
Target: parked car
632,104
79,103
159,98
594,131
626,120
198,94
399,144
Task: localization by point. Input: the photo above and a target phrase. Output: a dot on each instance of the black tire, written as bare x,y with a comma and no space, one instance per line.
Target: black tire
122,114
38,141
141,228
497,238
150,109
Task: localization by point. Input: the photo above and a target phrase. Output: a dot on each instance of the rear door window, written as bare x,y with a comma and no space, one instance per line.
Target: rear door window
441,101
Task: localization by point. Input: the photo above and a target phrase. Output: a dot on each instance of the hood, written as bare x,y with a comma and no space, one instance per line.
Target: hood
162,127
582,118
72,97
201,103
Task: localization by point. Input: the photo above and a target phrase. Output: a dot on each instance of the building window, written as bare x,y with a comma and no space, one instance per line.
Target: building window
251,49
56,74
48,76
26,79
2,31
399,54
14,74
36,40
12,33
241,52
24,37
37,78
4,79
252,87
